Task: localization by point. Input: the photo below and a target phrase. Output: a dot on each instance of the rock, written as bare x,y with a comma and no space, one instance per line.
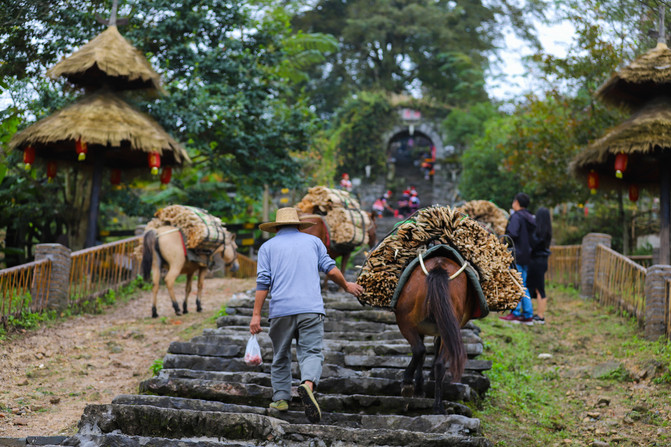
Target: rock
603,402
599,444
544,356
605,369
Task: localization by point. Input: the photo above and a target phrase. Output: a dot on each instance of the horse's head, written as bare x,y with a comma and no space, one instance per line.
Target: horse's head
229,252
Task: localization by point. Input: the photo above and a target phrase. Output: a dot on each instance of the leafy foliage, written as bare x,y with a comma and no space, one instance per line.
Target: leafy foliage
358,132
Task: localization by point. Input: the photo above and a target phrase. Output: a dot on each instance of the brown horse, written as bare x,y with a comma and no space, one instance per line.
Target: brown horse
320,230
438,306
165,245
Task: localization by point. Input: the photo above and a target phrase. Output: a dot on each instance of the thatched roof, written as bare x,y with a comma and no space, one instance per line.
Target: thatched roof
645,137
109,59
107,124
647,77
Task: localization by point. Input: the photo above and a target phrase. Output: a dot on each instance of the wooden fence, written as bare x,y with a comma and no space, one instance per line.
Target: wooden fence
564,265
668,307
92,272
24,288
97,270
619,282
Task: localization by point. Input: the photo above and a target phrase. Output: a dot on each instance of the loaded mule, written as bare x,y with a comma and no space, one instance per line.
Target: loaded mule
436,297
165,245
335,251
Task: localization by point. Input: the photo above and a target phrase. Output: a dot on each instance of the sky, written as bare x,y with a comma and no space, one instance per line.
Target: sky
506,79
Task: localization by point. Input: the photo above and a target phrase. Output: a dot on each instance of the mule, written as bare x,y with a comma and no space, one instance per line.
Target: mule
344,252
438,306
166,246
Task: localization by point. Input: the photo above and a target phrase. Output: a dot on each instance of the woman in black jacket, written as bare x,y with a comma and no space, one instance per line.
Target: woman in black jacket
540,251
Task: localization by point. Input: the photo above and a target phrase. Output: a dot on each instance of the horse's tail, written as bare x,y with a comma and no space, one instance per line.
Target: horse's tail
148,247
440,307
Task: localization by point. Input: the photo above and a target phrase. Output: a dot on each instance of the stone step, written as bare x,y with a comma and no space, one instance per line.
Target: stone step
377,316
391,333
334,361
359,384
329,325
147,420
232,347
455,423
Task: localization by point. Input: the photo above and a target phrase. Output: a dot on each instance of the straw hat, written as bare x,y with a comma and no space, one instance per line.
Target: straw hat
285,216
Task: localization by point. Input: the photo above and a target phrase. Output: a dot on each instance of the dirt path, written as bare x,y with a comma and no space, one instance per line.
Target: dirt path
48,376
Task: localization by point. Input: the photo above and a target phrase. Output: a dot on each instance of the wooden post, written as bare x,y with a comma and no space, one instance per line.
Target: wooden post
91,231
664,211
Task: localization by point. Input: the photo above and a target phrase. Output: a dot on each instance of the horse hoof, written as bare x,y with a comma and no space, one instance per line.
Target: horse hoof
154,314
407,390
185,311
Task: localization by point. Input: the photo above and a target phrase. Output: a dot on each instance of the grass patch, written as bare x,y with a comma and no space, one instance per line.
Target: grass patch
568,399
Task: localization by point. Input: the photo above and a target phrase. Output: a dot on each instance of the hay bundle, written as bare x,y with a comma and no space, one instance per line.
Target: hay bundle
501,285
321,200
488,214
202,231
348,226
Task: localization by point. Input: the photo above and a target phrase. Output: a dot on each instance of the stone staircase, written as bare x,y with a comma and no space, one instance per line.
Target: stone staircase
207,396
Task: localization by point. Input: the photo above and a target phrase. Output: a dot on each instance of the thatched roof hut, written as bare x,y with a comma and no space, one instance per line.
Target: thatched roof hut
109,125
644,137
645,78
109,59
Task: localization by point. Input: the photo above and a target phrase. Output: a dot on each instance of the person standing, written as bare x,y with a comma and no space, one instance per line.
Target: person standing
538,266
521,225
288,269
346,183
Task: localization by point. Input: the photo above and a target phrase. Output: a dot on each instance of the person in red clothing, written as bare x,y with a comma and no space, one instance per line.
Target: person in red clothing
346,183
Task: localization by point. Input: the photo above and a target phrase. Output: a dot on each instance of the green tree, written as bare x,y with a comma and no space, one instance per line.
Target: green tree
438,48
358,130
485,175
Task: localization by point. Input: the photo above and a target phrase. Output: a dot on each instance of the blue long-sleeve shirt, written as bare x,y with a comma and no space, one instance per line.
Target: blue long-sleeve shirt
288,265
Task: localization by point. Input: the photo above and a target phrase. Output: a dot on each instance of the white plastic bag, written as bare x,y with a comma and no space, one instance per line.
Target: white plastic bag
253,352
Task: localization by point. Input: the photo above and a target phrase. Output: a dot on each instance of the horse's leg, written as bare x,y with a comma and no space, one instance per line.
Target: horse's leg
156,279
436,349
187,292
170,278
343,261
438,372
201,283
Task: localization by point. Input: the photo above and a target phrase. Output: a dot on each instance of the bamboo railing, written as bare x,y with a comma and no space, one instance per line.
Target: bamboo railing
619,282
564,265
24,288
97,270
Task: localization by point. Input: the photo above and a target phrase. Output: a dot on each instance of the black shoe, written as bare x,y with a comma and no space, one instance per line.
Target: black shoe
538,320
312,410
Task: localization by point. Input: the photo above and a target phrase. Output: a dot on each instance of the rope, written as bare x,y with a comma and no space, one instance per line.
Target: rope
421,251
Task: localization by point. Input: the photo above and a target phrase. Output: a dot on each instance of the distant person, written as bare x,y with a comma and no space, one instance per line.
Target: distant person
288,268
382,204
346,183
521,225
413,202
404,204
538,266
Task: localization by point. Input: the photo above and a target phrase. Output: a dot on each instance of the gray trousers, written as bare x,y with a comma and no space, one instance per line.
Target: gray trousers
308,330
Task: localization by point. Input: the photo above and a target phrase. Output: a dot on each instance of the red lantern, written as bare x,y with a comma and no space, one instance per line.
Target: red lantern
115,177
154,162
52,167
593,181
620,164
29,156
82,147
166,175
633,193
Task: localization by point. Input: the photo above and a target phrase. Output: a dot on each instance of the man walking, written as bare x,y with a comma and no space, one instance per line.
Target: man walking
288,268
520,227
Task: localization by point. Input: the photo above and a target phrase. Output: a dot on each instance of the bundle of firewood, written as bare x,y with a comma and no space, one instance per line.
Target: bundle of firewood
501,285
488,214
348,226
202,231
321,200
